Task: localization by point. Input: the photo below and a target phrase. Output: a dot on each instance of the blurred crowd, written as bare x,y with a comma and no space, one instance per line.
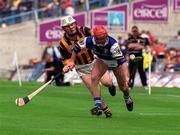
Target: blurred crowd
46,8
12,7
165,58
50,64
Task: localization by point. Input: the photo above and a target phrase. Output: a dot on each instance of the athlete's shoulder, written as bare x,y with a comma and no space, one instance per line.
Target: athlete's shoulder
62,41
89,39
112,40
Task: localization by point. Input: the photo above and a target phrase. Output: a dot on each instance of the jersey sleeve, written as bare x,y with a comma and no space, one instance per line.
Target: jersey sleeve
117,54
116,51
89,42
85,43
79,45
63,51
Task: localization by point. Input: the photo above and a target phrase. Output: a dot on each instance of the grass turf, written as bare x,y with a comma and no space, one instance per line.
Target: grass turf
66,111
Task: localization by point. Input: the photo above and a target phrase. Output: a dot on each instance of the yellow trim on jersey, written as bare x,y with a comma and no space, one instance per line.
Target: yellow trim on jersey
68,48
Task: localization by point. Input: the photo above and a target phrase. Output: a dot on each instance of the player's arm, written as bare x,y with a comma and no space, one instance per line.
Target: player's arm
76,49
116,52
85,43
49,68
70,64
135,46
64,54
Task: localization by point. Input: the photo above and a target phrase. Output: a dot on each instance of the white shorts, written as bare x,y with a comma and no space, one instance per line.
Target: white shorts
84,69
110,63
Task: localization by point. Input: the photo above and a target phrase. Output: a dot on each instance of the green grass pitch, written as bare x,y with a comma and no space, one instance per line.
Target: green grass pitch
66,111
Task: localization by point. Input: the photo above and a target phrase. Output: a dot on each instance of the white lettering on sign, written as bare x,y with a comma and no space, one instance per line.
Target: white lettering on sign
150,11
53,34
101,18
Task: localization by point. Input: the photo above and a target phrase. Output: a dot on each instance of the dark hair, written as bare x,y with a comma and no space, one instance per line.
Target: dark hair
134,27
119,37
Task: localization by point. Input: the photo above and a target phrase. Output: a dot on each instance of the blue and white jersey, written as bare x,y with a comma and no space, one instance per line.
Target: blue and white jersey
110,53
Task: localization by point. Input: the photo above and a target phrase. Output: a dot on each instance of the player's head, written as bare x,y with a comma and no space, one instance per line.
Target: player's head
69,25
100,35
135,30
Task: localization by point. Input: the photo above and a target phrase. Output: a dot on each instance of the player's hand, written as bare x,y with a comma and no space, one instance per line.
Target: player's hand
66,69
69,67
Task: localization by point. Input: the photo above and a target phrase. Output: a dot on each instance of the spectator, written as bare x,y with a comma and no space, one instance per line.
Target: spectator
2,5
151,37
172,60
53,64
15,10
39,66
52,50
52,68
159,49
67,7
51,8
159,55
26,5
136,45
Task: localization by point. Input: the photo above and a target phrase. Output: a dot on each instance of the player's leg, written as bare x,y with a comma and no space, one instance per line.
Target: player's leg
57,79
132,72
122,80
142,74
87,81
48,76
107,81
98,70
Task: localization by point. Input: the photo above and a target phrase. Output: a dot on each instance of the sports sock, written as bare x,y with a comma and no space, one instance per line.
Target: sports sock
98,101
126,94
106,109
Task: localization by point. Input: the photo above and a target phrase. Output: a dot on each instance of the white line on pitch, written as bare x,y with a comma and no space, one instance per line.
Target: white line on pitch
160,114
169,95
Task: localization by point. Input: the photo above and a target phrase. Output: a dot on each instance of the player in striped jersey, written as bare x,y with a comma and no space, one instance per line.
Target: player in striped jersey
84,60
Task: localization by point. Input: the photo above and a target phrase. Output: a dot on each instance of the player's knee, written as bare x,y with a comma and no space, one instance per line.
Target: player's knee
106,83
94,80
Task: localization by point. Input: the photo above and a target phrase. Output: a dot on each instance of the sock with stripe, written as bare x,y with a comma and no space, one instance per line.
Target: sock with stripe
106,110
98,101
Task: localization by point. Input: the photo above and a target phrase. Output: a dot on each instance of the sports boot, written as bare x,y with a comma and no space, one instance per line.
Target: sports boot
129,103
112,90
96,111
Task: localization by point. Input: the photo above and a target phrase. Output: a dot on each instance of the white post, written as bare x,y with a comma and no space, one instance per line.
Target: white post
17,67
149,71
87,5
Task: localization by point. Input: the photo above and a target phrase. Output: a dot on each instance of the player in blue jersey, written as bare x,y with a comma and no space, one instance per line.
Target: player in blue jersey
109,56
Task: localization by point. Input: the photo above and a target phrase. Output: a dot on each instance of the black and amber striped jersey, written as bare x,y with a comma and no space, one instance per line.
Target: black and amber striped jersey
138,40
67,43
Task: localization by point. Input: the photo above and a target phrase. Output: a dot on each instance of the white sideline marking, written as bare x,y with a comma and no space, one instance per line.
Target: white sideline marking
173,95
169,95
160,114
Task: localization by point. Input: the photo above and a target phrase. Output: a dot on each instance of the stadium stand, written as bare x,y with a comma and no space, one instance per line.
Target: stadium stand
21,22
